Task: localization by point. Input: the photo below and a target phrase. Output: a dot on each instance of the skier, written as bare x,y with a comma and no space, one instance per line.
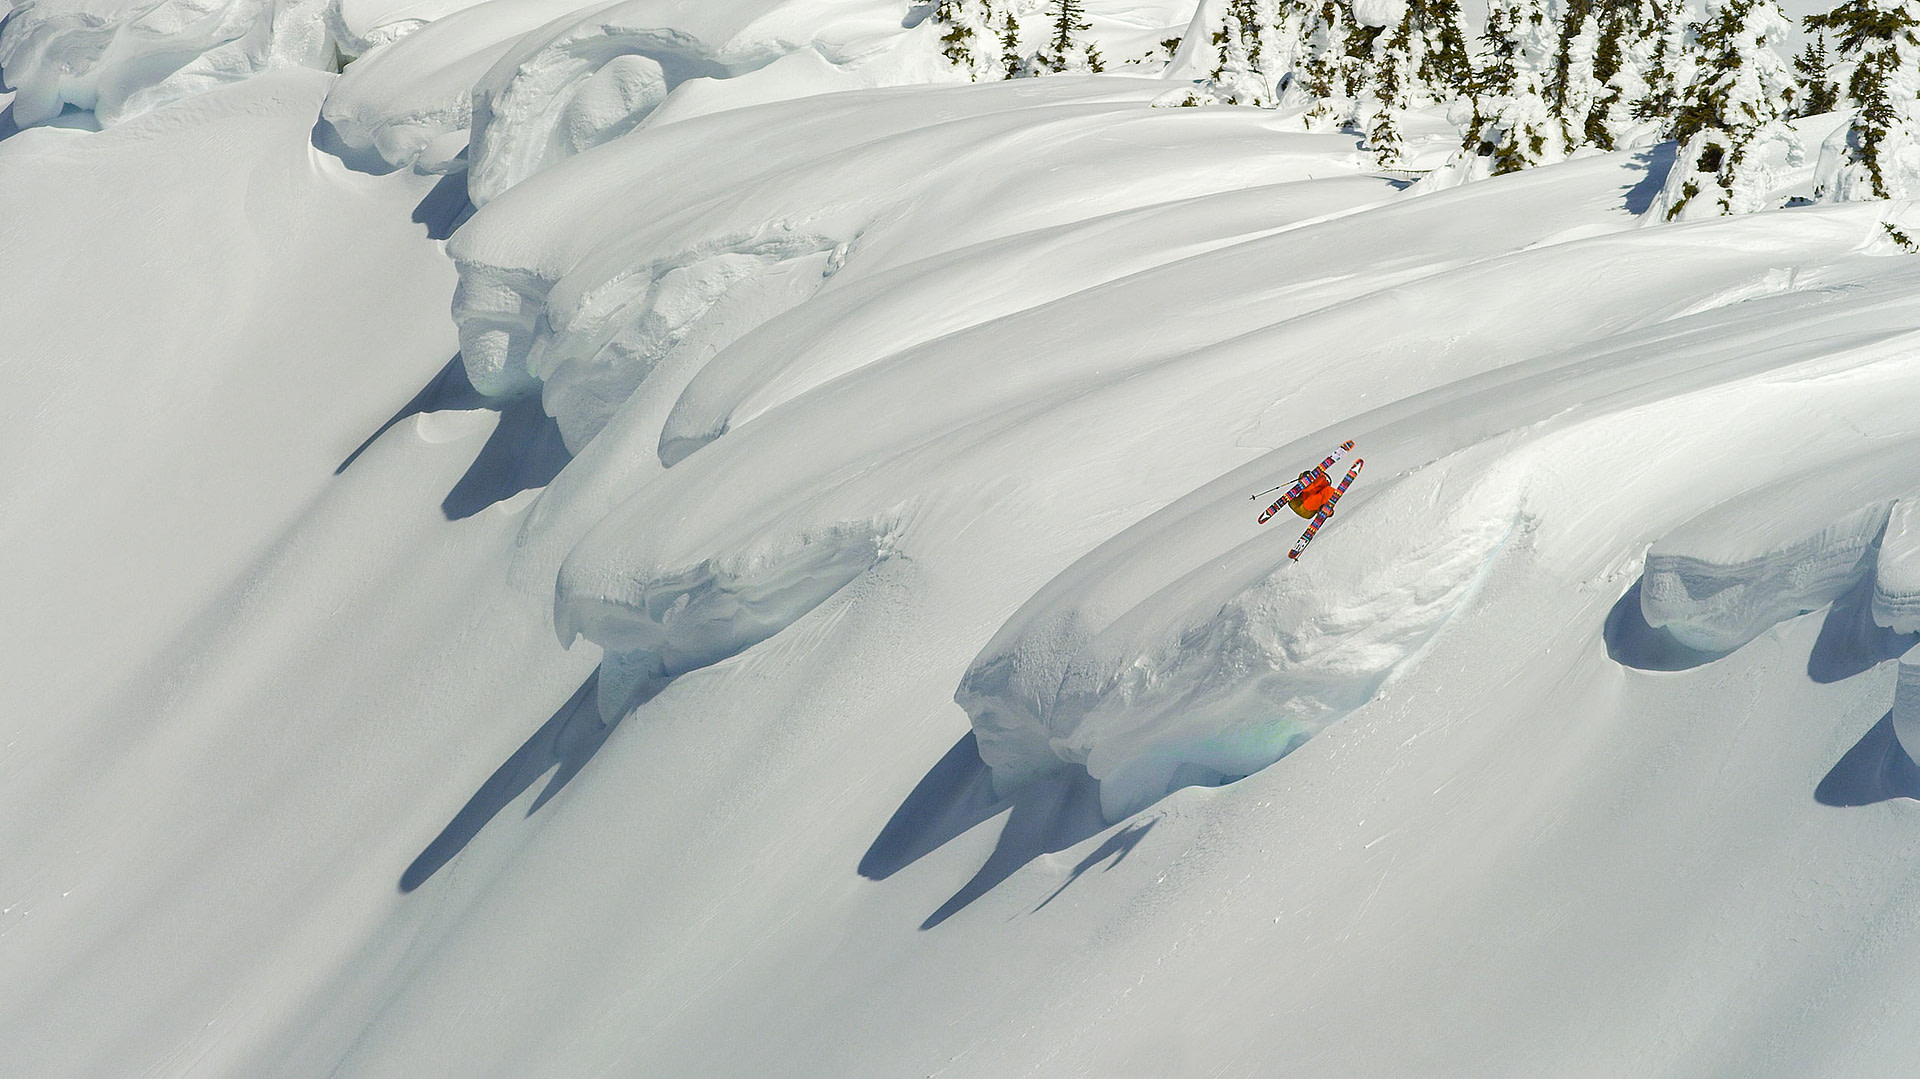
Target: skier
1316,494
1313,496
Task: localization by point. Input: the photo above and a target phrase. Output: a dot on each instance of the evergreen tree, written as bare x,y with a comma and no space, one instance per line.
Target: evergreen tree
1422,57
1630,34
1241,75
1576,88
1878,154
1333,64
1011,62
1674,62
969,41
1514,127
1732,111
1819,92
1068,50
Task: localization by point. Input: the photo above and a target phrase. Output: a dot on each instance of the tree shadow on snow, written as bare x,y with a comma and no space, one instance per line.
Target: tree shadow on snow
1631,642
1850,641
1658,161
1877,769
1044,817
563,745
524,452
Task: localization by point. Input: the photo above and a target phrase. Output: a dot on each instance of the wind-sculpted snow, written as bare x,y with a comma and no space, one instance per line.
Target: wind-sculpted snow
123,58
1896,579
410,102
1172,655
969,372
1906,703
1264,657
555,293
767,291
1729,574
1225,670
530,82
360,26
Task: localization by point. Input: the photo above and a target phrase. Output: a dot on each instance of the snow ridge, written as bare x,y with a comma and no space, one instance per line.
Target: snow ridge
120,60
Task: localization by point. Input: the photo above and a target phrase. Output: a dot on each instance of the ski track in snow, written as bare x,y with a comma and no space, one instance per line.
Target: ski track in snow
785,418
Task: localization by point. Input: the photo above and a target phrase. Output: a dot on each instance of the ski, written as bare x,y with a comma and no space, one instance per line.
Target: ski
1325,511
1299,485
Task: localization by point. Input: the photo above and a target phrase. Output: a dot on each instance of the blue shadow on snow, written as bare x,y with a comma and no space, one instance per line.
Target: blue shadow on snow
563,745
1877,769
1044,817
525,450
1850,641
1631,642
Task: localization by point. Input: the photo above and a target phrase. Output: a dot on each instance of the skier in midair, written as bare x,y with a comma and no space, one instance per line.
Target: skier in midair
1319,490
1313,495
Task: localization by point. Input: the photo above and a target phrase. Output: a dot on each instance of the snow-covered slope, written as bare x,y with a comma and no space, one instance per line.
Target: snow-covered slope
776,591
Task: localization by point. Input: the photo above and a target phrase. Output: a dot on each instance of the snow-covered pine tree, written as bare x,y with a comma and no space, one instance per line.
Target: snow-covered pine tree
1241,76
1419,58
1877,155
1068,49
1576,88
1334,52
1011,62
1607,53
1674,62
1730,114
1514,127
1819,91
969,39
1630,33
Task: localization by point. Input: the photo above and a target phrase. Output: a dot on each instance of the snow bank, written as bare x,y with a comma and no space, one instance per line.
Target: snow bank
410,102
535,81
670,621
360,26
1221,671
1724,577
751,211
1906,703
1896,583
121,59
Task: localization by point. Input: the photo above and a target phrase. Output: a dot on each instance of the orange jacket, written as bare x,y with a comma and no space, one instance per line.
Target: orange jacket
1318,491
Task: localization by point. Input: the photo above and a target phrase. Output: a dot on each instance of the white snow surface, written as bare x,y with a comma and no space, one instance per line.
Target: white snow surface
568,686
120,58
1896,579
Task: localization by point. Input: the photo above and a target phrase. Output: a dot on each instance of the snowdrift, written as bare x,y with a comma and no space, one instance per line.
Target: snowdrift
863,404
120,59
531,82
1728,575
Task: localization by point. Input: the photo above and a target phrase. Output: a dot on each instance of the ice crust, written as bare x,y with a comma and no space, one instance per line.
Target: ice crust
120,58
